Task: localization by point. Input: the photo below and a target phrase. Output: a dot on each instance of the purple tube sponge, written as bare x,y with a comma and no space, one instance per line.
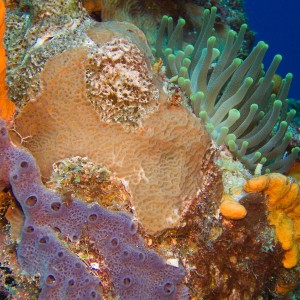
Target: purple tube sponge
135,272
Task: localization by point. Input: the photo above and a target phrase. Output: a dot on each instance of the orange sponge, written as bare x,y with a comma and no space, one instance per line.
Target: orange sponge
283,202
232,209
7,107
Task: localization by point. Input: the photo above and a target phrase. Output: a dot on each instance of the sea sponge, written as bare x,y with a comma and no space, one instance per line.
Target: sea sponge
161,160
231,208
283,203
7,107
134,271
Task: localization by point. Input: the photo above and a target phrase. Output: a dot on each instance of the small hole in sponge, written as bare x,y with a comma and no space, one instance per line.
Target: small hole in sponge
3,131
133,228
44,240
92,217
93,294
125,253
168,288
31,201
77,265
75,238
71,282
24,164
114,242
55,206
29,229
127,281
141,257
50,279
60,254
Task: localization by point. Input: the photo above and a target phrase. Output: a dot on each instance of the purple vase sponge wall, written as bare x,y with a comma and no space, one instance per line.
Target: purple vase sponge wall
135,272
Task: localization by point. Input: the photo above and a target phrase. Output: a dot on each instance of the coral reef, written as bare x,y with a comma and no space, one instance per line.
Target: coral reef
136,272
137,200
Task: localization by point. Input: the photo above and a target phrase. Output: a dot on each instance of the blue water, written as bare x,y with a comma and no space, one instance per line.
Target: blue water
277,22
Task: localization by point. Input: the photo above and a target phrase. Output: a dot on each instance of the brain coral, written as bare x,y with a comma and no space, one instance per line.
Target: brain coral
161,159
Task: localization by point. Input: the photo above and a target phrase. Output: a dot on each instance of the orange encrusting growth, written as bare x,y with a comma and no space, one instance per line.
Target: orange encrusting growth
283,203
7,107
232,209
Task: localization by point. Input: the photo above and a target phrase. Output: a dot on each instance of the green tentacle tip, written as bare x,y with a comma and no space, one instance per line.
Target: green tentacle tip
292,112
277,103
211,40
230,137
244,26
261,44
199,96
232,145
231,33
168,51
181,22
189,49
278,58
210,127
192,97
248,81
183,72
206,11
234,114
296,150
186,62
263,160
204,117
181,81
171,57
203,114
237,61
283,124
288,135
213,9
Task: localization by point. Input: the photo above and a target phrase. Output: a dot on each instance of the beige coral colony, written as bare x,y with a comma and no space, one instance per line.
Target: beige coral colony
147,157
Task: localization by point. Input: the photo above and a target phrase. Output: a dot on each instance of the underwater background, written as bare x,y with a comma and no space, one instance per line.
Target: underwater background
277,23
